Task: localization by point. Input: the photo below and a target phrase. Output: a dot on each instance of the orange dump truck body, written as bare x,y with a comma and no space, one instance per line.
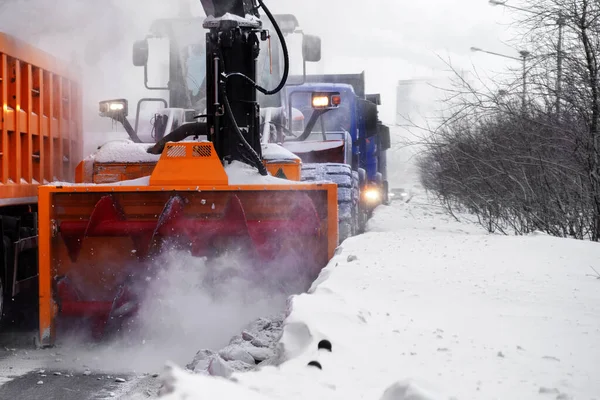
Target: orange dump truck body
41,125
40,142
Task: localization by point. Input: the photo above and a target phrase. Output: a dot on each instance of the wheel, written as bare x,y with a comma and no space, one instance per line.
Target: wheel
348,192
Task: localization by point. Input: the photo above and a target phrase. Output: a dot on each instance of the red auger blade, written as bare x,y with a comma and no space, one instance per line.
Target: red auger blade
290,233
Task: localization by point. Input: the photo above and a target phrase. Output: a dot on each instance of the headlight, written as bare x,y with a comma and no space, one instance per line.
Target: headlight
113,108
372,195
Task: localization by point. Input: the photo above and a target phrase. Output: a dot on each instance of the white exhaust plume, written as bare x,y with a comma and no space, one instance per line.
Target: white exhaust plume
189,304
96,37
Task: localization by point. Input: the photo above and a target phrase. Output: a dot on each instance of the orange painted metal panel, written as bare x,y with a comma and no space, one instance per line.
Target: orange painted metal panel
285,170
41,126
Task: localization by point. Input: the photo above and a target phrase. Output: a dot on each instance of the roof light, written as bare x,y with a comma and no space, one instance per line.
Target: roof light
320,101
326,99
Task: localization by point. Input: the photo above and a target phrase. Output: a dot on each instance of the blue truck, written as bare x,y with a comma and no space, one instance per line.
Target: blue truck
333,126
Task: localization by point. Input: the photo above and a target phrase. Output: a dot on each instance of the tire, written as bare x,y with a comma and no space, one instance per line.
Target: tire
348,192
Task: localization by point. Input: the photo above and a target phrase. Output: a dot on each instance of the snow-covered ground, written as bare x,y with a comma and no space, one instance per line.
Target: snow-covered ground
426,307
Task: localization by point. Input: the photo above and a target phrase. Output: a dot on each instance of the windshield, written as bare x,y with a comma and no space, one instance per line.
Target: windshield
330,123
188,35
194,63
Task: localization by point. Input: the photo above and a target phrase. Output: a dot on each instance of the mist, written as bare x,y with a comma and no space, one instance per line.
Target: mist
186,304
388,39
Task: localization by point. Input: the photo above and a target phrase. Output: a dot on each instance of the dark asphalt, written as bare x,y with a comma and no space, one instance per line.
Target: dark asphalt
64,387
28,373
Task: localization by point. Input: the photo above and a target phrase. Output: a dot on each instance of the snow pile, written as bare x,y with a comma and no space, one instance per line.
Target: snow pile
426,307
275,152
255,346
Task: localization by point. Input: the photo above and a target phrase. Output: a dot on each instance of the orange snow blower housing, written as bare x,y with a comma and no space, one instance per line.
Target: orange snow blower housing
99,242
92,238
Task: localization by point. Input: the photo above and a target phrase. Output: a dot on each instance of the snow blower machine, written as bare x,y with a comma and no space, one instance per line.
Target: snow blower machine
212,197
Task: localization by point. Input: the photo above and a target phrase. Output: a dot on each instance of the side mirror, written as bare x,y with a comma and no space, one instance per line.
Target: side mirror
288,23
368,113
311,48
385,140
374,98
116,109
140,53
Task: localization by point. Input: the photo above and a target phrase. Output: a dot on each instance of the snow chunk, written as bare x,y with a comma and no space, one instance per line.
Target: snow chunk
232,352
121,151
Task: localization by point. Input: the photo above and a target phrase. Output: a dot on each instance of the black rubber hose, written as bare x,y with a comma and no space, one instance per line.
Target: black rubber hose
257,161
286,57
286,67
177,135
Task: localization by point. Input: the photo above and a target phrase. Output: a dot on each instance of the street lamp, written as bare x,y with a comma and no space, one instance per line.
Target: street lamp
503,3
561,22
524,55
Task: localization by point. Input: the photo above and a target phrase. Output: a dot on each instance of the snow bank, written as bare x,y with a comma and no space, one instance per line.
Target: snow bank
425,307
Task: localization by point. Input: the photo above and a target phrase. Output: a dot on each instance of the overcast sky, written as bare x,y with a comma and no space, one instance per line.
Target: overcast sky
389,39
401,39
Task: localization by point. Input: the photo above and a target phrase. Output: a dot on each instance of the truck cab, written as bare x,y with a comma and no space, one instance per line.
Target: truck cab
348,132
332,134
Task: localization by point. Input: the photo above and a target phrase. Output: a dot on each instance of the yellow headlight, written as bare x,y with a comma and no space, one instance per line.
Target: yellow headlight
372,195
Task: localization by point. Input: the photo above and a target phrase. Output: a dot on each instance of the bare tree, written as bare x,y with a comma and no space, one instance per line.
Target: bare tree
534,166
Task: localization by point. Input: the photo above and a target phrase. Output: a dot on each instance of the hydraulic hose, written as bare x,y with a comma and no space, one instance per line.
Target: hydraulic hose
286,64
255,158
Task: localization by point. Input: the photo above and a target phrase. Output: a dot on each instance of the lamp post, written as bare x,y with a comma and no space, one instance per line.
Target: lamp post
561,22
503,3
524,55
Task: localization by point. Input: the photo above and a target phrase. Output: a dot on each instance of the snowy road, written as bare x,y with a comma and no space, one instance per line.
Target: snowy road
32,374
